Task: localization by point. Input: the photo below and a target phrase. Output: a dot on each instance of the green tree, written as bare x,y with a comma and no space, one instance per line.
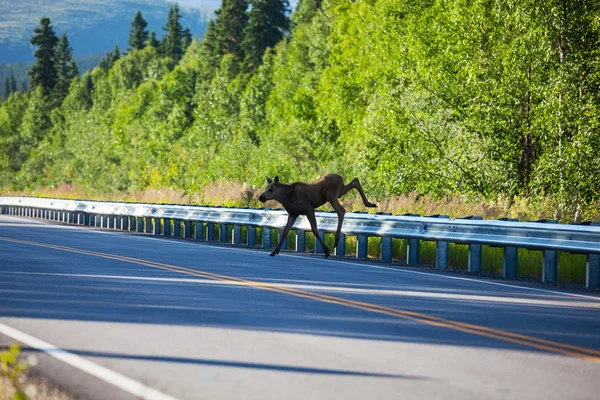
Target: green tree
138,35
43,73
186,39
231,22
211,54
64,68
6,91
152,41
171,42
268,23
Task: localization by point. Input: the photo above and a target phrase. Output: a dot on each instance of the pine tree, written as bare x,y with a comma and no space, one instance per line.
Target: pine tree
186,39
171,42
115,55
13,84
43,72
74,71
231,23
152,41
23,87
6,91
138,36
64,61
267,26
210,50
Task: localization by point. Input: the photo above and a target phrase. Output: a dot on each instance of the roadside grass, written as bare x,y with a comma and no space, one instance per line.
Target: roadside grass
571,268
17,384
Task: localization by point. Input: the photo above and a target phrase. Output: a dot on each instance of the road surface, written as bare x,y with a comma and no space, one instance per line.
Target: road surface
114,315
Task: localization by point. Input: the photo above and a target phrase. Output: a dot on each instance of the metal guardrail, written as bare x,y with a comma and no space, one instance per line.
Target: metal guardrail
168,220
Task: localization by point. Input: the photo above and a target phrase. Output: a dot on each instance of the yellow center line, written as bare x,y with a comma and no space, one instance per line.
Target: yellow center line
530,341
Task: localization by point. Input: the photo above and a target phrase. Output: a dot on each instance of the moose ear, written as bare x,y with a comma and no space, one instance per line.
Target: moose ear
276,179
269,181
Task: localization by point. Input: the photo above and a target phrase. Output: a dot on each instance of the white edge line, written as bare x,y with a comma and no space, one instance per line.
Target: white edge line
114,378
355,264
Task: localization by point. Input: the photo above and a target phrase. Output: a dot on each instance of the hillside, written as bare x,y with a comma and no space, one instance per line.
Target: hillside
93,26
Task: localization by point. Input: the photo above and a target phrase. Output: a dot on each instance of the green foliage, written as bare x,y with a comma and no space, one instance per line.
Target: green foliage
43,73
484,99
65,67
138,35
12,367
171,44
267,25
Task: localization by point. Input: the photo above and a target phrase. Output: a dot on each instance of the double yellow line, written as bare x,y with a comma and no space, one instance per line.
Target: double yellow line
529,341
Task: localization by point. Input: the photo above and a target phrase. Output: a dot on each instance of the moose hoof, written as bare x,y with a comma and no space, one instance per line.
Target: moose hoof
326,252
372,205
273,253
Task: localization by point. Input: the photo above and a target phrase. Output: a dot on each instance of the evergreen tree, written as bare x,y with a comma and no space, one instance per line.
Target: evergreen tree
6,91
115,55
186,39
138,36
210,50
23,87
73,69
13,84
171,42
110,59
64,63
232,19
152,41
268,23
43,73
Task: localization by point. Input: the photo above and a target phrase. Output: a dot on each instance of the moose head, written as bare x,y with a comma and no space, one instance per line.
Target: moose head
271,191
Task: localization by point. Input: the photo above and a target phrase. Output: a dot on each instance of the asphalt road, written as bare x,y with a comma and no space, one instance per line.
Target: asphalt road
122,316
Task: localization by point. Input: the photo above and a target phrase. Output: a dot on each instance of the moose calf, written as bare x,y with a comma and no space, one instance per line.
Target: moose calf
302,198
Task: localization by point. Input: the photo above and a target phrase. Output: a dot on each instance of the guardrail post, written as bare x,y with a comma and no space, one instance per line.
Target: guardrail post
362,246
236,234
386,244
412,251
475,254
511,258
340,249
187,229
592,271
210,231
157,226
300,241
284,245
251,236
177,228
223,233
199,231
441,250
318,247
550,262
266,238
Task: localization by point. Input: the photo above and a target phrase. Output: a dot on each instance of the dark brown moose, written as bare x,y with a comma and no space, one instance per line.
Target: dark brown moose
302,198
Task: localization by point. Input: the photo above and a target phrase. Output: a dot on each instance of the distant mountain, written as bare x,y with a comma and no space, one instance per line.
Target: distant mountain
92,26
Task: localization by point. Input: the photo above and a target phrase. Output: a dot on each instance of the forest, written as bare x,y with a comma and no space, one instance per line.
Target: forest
476,101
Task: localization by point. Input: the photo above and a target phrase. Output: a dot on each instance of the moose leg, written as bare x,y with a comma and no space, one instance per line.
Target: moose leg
340,213
286,230
355,184
313,226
